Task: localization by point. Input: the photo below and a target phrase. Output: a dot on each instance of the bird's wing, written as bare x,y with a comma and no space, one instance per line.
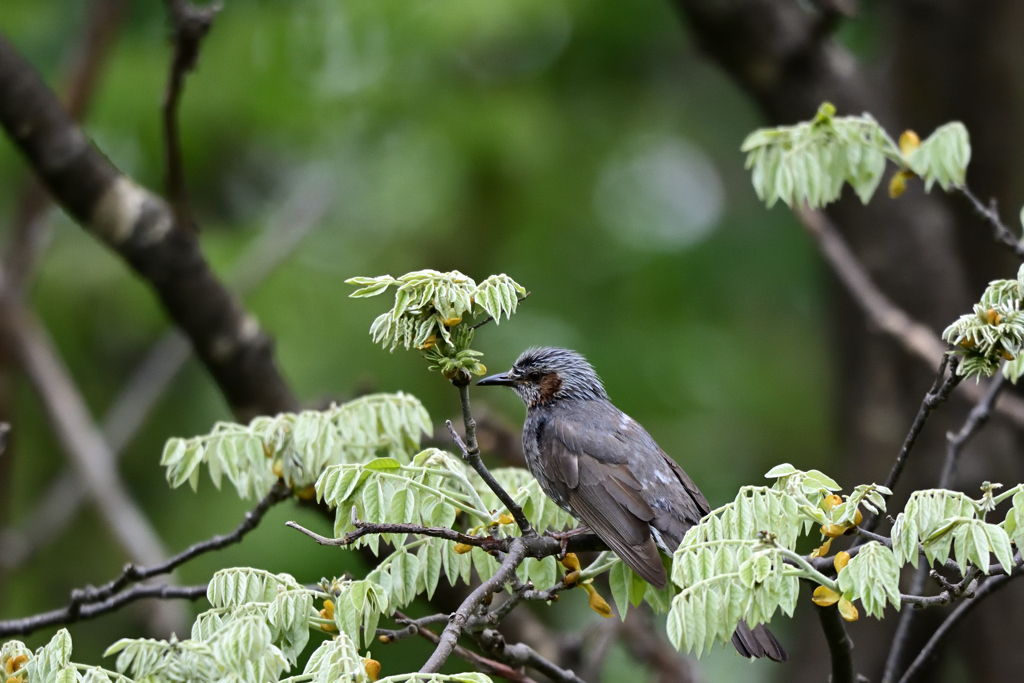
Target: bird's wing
607,497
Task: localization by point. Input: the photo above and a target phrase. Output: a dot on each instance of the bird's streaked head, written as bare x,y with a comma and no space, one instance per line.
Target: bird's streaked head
542,375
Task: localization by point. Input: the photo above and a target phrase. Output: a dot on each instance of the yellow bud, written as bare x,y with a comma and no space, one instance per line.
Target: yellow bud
1006,355
597,603
842,559
429,343
14,679
384,639
898,183
830,502
328,610
967,343
909,142
18,662
823,550
993,317
308,493
572,578
571,562
481,369
847,610
833,530
268,450
505,519
824,596
857,518
462,548
278,469
372,667
452,322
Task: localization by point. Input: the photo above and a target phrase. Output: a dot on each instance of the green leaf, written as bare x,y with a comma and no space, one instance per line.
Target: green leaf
619,581
872,576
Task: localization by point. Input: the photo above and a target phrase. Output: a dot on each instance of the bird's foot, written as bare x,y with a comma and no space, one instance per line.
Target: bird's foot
563,538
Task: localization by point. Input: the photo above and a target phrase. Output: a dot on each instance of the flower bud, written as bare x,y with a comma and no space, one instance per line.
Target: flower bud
462,548
842,559
833,530
372,667
909,141
597,603
571,562
823,550
505,519
847,610
824,596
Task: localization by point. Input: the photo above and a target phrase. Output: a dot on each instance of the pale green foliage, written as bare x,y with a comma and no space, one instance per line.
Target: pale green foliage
334,660
301,445
943,521
429,312
995,327
52,662
873,575
431,491
628,588
810,161
733,564
1014,522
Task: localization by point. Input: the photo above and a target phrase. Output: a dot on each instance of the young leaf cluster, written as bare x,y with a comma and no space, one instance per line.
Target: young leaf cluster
811,161
740,562
298,446
944,521
236,653
993,332
429,312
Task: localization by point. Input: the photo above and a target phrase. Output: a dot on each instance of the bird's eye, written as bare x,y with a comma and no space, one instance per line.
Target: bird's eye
533,376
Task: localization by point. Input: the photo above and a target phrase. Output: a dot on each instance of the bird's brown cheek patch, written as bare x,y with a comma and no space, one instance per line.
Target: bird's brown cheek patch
549,386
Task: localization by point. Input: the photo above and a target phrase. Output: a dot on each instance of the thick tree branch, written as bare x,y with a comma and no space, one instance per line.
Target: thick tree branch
917,338
303,210
840,646
521,654
75,613
140,227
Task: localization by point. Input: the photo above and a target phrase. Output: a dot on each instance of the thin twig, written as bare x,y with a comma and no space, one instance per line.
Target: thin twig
450,635
977,418
521,654
899,639
74,613
487,666
1002,234
367,528
916,338
134,574
936,396
471,454
491,317
190,24
986,589
840,646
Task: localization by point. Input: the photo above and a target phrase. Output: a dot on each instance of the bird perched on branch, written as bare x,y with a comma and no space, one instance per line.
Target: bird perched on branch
602,467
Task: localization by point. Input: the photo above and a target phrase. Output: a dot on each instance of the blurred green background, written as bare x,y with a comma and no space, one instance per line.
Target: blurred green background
586,149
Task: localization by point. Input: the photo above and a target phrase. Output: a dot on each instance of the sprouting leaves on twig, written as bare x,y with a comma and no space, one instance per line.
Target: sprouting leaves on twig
811,161
993,332
430,311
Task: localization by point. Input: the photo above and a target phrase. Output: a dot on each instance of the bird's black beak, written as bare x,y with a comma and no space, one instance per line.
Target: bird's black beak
499,380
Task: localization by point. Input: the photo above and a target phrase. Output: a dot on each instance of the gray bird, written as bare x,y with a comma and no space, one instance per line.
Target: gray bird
602,467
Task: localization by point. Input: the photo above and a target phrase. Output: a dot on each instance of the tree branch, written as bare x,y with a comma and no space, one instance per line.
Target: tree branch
141,228
986,589
450,636
85,603
915,337
521,654
487,666
840,646
189,24
75,613
1002,234
471,454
